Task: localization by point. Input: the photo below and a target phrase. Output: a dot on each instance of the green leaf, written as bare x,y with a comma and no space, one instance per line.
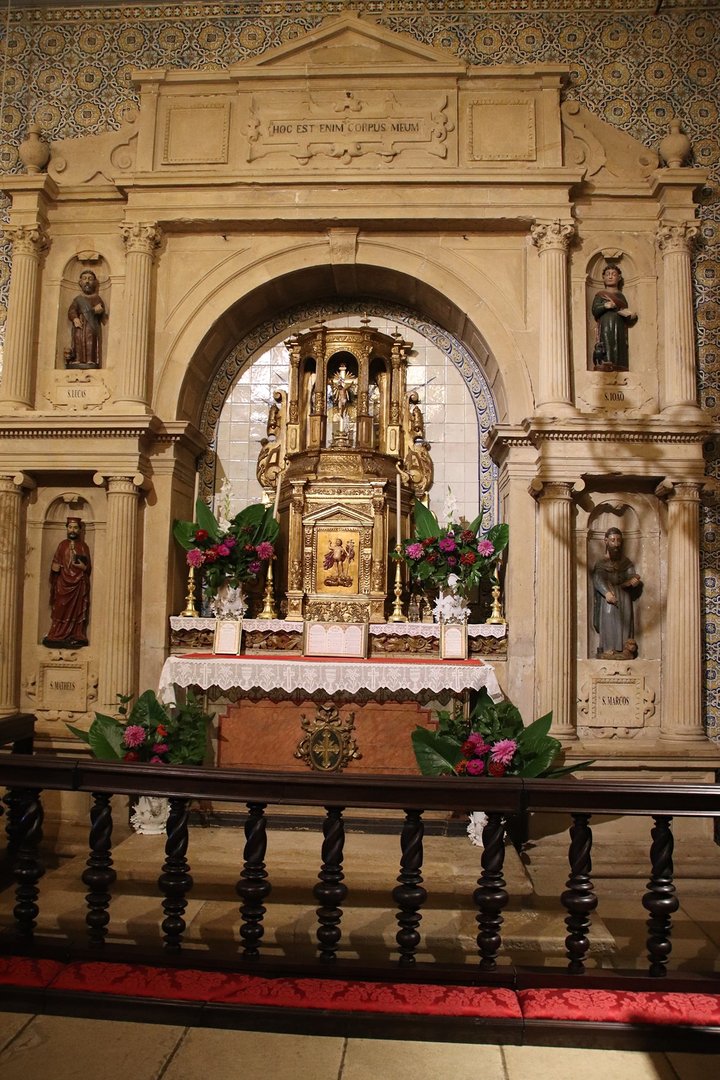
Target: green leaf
552,774
435,755
83,735
426,524
251,515
147,709
184,533
498,536
542,759
534,734
206,520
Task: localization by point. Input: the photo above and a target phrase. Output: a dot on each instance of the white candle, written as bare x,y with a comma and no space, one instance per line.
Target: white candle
277,494
398,497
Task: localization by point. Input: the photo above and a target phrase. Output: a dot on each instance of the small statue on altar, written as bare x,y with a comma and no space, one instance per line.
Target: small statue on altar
417,420
86,314
612,317
616,584
273,420
343,392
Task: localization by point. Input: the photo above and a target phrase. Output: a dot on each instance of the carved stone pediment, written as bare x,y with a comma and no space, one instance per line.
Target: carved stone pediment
606,155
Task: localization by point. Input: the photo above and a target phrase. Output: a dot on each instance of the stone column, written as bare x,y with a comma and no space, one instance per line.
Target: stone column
679,374
555,636
11,581
141,242
119,631
554,389
30,243
682,645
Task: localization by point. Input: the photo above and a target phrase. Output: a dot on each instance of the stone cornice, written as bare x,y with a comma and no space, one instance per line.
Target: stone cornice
599,429
146,428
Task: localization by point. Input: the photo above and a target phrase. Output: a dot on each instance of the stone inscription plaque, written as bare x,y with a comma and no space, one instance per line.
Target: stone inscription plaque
78,392
63,686
616,701
350,125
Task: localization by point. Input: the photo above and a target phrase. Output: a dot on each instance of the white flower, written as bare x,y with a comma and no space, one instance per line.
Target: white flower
450,507
450,608
228,602
453,581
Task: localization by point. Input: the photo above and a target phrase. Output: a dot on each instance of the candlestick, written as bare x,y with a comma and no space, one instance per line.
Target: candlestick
268,611
190,612
397,612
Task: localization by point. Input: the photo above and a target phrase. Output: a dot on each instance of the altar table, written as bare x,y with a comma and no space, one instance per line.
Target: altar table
325,675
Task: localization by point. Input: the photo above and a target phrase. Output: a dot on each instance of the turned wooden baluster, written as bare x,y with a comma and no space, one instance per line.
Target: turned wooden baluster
99,874
175,880
409,894
660,899
491,896
28,869
253,887
579,899
330,891
14,803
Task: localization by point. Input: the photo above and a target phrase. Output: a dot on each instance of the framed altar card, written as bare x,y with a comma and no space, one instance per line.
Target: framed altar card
228,637
335,639
453,641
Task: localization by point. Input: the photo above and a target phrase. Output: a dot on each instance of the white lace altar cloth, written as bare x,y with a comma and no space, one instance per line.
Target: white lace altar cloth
289,674
426,630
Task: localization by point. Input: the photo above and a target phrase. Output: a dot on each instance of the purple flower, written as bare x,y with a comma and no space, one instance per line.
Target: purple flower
230,541
265,550
451,560
255,567
134,735
447,544
414,551
195,557
485,548
223,549
503,751
475,767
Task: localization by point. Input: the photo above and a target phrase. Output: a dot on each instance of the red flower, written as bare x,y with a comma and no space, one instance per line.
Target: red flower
468,558
496,768
467,535
132,755
461,767
161,731
468,749
211,555
201,535
428,541
431,559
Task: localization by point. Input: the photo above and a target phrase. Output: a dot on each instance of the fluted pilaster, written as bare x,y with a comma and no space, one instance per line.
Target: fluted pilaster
11,577
554,391
682,649
141,242
679,373
554,672
119,640
30,243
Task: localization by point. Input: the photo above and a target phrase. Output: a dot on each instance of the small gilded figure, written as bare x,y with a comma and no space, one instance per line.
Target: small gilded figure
612,318
86,314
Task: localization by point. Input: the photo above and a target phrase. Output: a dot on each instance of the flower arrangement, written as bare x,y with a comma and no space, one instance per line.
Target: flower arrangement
150,732
232,555
491,741
453,558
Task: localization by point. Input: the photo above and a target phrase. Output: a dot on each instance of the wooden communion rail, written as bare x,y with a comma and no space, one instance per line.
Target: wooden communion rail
688,1002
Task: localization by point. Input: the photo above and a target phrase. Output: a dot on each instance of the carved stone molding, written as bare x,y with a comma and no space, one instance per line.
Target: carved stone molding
141,237
30,240
676,239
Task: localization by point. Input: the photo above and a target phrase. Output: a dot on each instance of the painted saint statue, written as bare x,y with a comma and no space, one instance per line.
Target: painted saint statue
616,583
69,590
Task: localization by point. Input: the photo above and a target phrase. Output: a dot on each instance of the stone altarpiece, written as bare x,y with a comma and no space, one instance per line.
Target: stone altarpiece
358,162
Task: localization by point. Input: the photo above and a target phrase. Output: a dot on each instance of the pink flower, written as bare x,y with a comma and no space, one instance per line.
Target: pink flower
478,744
195,557
160,748
223,549
475,767
134,735
156,761
447,544
265,550
485,548
255,567
503,751
230,541
414,551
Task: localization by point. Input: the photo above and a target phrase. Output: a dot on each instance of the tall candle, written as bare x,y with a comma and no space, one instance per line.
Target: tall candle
277,494
398,497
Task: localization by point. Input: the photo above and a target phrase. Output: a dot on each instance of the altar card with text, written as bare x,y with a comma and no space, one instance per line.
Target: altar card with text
228,637
335,639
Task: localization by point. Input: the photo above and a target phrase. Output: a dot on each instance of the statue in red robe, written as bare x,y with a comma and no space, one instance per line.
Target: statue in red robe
69,591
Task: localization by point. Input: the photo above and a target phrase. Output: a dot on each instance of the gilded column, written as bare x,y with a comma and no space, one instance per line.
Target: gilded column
679,374
554,671
682,645
118,658
30,243
554,391
11,580
141,242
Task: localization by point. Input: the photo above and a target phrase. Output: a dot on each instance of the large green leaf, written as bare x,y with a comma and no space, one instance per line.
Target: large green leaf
426,524
541,759
184,533
251,515
435,755
147,709
498,536
535,734
206,520
552,774
84,736
105,738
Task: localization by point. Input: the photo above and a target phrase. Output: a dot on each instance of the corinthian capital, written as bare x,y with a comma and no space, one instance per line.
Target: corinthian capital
28,239
142,237
676,239
552,235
